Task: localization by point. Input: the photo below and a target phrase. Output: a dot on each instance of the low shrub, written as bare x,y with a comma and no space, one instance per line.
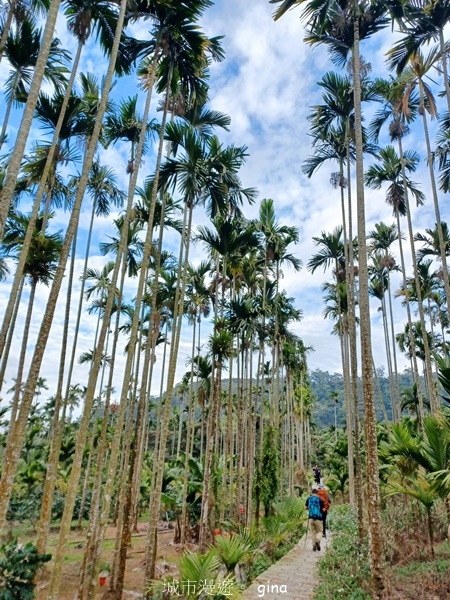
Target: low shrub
344,570
18,567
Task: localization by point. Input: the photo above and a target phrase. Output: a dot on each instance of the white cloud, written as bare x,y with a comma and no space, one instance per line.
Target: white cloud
267,86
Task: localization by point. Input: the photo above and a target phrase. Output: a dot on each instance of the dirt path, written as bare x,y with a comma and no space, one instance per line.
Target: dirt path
293,577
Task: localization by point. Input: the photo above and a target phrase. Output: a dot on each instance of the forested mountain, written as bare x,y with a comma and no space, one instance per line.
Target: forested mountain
324,385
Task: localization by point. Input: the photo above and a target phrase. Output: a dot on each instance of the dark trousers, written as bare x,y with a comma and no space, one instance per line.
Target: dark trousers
324,519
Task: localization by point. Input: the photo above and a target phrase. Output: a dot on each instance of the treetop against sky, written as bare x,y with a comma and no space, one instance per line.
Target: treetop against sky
267,84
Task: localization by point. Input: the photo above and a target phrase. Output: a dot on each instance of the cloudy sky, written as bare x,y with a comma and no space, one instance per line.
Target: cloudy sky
267,85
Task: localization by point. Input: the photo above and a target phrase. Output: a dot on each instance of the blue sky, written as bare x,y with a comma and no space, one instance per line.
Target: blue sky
267,85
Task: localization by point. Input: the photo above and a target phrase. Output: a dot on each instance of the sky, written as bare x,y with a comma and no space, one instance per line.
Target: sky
267,84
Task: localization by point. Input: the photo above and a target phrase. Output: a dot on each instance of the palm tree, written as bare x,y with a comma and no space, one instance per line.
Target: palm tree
198,42
336,117
205,173
341,26
18,10
430,455
220,344
8,473
103,191
22,49
391,171
422,24
4,269
81,23
379,271
332,253
414,77
74,399
40,267
410,401
90,102
232,238
431,242
275,236
127,126
381,239
198,299
15,160
391,93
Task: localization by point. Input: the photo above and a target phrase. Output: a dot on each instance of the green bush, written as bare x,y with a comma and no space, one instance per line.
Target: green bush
18,567
344,570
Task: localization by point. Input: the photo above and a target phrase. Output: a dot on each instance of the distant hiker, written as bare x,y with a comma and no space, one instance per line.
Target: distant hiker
323,495
315,507
317,474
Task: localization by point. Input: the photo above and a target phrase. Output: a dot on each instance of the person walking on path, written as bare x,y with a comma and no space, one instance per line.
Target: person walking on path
317,474
315,506
323,495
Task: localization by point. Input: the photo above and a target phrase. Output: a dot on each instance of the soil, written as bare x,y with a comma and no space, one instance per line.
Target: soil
167,559
424,579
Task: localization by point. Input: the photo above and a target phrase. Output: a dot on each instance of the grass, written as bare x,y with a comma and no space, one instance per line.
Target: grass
421,579
410,572
344,570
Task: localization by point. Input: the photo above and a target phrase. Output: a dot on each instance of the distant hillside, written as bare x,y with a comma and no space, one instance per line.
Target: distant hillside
324,383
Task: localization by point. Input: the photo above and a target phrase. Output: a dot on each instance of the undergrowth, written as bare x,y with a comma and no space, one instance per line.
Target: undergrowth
344,570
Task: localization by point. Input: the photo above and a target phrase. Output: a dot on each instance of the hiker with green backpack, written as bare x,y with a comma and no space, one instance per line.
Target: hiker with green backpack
315,507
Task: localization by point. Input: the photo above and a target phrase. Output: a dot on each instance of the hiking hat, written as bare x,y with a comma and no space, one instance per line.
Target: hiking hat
321,486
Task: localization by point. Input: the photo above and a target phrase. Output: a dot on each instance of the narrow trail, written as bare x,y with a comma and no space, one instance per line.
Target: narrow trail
294,577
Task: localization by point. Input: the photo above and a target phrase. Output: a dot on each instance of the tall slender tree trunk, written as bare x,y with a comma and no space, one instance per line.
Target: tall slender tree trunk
443,49
395,407
354,360
7,27
86,480
187,446
75,472
80,302
57,431
380,394
27,117
251,441
442,249
21,366
36,206
93,529
116,582
15,83
405,284
345,337
349,415
394,350
373,480
149,359
155,500
212,425
11,333
415,368
213,417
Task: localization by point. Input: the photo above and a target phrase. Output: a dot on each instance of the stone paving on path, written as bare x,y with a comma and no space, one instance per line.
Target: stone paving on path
293,577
